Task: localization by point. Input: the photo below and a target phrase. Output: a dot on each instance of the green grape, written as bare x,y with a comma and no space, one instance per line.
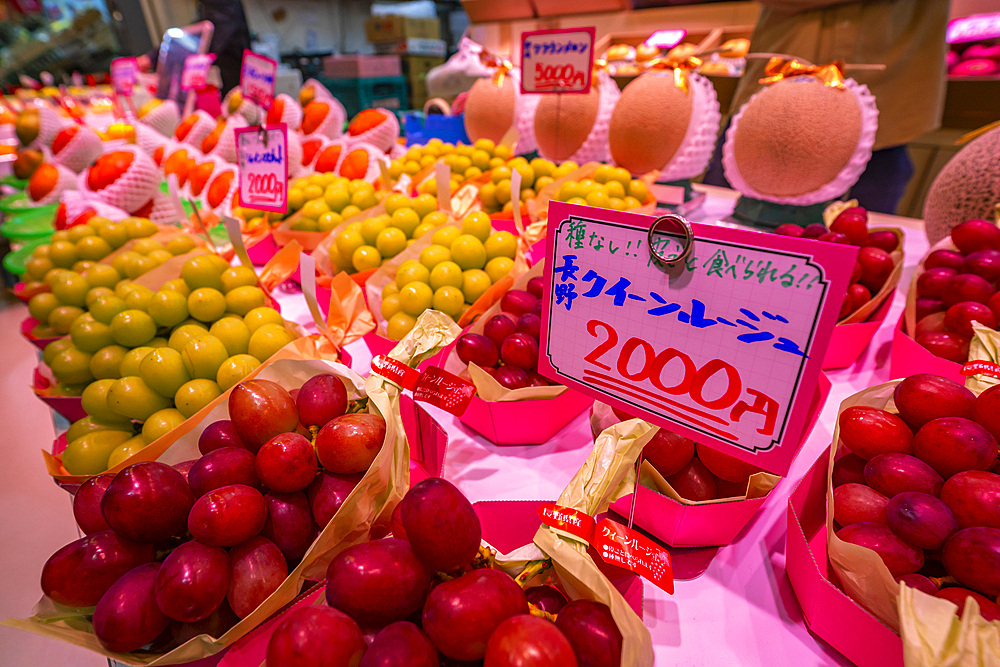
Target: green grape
91,336
241,300
195,395
203,355
206,304
132,328
94,400
160,423
233,333
261,316
234,369
105,363
88,454
268,339
163,371
131,361
72,366
167,308
130,397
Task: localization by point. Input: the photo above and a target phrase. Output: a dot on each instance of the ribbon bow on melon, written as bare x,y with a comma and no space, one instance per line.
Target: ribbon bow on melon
500,65
778,68
682,67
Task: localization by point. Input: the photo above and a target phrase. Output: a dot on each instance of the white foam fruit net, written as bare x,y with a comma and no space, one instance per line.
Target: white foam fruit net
80,151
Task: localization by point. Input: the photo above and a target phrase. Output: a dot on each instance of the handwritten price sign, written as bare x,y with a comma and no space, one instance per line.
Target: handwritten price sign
257,78
124,73
725,349
557,61
194,76
263,162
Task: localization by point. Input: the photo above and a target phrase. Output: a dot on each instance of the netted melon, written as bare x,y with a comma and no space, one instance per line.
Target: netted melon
968,188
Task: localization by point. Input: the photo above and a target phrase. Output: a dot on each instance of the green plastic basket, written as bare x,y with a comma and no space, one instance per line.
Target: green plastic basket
14,182
23,229
19,202
15,261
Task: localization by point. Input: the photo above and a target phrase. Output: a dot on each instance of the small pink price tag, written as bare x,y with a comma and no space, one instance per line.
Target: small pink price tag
557,61
263,165
257,78
124,72
194,76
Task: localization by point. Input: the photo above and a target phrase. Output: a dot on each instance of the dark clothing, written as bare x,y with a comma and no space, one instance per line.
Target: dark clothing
231,37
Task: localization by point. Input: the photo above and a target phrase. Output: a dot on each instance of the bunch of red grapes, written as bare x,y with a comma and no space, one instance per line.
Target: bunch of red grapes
174,552
921,489
422,599
957,288
874,260
694,471
508,347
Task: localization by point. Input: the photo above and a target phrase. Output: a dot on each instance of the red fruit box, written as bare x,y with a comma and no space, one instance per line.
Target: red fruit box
70,407
263,250
828,611
427,439
848,341
909,358
29,323
710,523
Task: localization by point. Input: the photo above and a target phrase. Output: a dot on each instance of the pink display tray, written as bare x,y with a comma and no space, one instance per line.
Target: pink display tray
261,252
909,358
713,524
70,407
848,341
29,323
828,611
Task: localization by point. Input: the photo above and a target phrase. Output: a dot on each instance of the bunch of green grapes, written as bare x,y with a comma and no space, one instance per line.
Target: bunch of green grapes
326,200
535,175
455,270
464,161
611,187
148,360
368,244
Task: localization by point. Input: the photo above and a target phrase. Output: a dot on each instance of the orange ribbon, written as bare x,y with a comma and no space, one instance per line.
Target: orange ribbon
831,75
500,65
681,67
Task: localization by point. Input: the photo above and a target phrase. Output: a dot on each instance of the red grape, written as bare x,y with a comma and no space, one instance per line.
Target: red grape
528,641
498,327
986,410
834,237
547,598
860,295
950,346
536,286
511,377
846,306
853,223
536,380
932,282
900,557
972,555
668,452
960,317
966,287
974,235
316,637
227,516
192,582
397,522
857,503
933,323
184,467
398,644
883,239
927,307
983,263
988,609
591,631
856,272
377,582
918,581
725,466
994,304
328,492
876,265
440,524
286,463
518,302
920,519
788,230
222,467
891,474
849,469
923,397
127,618
948,259
953,444
87,504
478,349
289,523
460,615
974,498
256,569
320,399
218,435
350,443
530,324
215,625
147,502
260,410
868,432
694,482
814,231
78,574
520,350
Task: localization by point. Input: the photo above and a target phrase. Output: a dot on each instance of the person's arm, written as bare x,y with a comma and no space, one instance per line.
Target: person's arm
796,6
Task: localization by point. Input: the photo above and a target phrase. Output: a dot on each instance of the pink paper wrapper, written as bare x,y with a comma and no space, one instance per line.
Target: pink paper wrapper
828,611
70,407
910,358
848,341
260,253
29,323
707,524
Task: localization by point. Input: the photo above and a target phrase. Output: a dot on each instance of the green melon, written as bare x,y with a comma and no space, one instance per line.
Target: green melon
968,188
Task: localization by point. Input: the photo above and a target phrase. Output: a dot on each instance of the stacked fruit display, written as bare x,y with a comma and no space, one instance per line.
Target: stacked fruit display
231,524
464,161
139,358
508,347
367,244
535,175
957,288
457,268
611,187
875,263
323,201
919,487
431,598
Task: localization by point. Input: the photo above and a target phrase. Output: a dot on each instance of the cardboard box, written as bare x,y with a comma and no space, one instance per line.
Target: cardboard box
573,7
361,66
908,358
415,68
480,11
393,28
415,46
828,611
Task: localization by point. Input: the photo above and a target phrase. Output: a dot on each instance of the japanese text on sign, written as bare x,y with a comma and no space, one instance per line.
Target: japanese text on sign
557,61
257,78
722,346
194,76
263,162
124,72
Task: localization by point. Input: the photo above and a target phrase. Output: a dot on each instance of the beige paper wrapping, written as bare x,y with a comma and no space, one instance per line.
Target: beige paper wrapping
934,636
607,474
370,504
910,312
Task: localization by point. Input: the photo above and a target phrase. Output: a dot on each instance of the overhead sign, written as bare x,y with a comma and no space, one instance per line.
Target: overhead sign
557,61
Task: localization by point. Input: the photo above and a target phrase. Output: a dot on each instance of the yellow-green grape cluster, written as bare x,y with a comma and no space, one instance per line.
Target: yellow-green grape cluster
78,250
464,161
368,244
255,218
611,187
535,175
156,358
451,274
326,200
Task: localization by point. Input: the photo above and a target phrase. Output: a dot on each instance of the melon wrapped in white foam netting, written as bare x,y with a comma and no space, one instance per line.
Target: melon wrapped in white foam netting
163,117
291,112
194,128
348,167
311,146
329,156
83,148
696,149
397,151
66,179
49,124
332,123
319,91
383,135
197,183
217,198
226,146
294,159
149,139
164,211
594,147
247,110
76,203
132,189
526,107
800,142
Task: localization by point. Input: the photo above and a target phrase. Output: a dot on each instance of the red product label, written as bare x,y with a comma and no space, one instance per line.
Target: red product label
981,368
569,520
442,389
395,371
